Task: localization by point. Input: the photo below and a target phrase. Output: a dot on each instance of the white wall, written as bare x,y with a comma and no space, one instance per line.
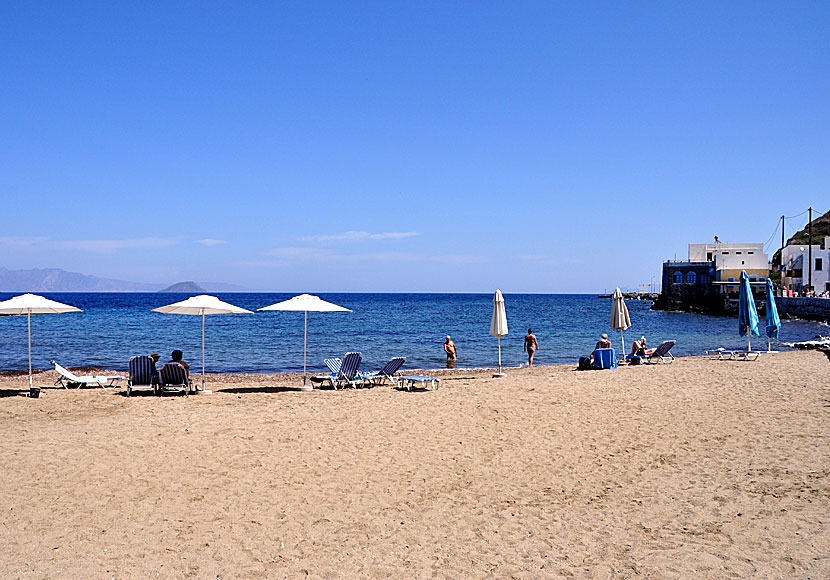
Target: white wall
820,277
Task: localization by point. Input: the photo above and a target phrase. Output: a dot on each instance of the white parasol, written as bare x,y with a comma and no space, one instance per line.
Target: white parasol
305,303
200,306
28,304
498,324
619,316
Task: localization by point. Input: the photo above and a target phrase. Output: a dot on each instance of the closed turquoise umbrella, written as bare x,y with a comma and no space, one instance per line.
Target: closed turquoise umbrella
773,322
747,313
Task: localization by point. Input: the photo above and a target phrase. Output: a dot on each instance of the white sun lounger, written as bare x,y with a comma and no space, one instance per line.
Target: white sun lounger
411,380
67,377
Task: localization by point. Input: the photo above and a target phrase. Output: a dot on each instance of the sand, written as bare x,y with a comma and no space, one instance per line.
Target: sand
698,469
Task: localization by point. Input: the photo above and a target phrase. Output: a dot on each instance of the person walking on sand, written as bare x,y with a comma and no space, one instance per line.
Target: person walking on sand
531,346
449,348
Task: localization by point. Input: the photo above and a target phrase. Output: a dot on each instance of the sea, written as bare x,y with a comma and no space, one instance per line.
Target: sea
115,326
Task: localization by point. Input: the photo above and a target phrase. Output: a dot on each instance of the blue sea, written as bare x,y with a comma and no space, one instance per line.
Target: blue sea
115,326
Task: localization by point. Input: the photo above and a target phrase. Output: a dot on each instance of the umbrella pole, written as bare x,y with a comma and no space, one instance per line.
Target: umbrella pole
203,350
305,346
29,315
622,338
499,355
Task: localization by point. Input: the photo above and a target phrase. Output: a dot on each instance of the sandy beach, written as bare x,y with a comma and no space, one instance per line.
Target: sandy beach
698,469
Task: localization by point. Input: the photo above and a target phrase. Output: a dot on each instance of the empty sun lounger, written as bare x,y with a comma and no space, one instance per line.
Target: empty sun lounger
724,354
143,375
173,377
347,374
387,373
408,381
67,379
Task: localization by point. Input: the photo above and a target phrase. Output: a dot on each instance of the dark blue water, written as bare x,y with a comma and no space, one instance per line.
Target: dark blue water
114,327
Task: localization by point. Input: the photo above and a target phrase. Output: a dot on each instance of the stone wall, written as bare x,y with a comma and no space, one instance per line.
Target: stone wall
806,308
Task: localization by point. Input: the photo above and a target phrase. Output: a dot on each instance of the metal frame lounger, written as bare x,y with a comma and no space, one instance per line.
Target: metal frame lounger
173,377
723,354
67,377
387,373
346,374
143,375
411,380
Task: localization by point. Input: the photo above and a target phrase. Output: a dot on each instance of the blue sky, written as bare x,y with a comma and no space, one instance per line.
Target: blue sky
405,146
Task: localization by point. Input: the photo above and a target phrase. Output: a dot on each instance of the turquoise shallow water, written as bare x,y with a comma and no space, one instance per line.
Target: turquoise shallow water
113,327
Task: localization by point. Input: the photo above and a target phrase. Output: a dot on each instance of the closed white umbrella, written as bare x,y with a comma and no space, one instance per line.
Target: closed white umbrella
200,306
619,316
305,303
28,304
498,324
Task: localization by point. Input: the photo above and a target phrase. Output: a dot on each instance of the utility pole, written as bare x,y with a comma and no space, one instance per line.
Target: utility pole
782,240
810,247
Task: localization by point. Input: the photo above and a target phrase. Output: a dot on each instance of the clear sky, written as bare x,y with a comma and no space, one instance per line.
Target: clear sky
405,146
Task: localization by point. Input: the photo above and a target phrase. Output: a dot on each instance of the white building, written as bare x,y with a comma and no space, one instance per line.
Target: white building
796,261
730,259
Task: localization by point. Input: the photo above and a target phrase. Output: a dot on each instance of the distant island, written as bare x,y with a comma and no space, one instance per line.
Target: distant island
57,280
186,287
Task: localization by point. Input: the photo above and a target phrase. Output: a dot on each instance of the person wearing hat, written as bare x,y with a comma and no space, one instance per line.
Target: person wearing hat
603,343
154,356
449,348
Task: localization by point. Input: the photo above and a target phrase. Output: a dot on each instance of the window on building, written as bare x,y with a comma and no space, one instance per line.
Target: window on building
678,277
737,252
704,278
725,253
818,264
750,252
708,256
691,277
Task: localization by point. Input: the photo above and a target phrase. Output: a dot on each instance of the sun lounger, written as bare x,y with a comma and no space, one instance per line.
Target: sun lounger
173,377
723,354
605,358
661,354
143,375
347,374
408,381
67,379
387,373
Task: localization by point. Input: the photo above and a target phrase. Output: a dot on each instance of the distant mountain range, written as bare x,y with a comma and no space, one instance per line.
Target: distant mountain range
56,280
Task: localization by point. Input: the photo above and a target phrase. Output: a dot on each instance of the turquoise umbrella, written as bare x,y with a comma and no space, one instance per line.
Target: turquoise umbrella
773,322
747,314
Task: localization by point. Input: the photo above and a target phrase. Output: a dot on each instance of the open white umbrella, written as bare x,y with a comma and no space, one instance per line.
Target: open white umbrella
200,306
498,324
28,304
619,316
305,303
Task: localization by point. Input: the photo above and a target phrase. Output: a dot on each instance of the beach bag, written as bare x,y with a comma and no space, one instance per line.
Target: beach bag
584,363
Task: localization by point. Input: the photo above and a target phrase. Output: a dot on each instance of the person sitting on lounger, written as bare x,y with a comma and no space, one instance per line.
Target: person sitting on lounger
603,343
154,356
176,355
639,348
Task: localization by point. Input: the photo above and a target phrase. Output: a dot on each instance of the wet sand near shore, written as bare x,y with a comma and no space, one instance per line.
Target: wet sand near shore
697,469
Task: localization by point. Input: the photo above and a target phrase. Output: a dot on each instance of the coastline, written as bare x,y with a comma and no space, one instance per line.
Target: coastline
704,469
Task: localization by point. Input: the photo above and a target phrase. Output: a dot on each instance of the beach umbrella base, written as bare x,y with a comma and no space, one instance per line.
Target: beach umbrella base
305,388
499,375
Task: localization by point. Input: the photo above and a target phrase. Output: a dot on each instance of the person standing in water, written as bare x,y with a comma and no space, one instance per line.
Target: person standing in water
449,348
531,346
